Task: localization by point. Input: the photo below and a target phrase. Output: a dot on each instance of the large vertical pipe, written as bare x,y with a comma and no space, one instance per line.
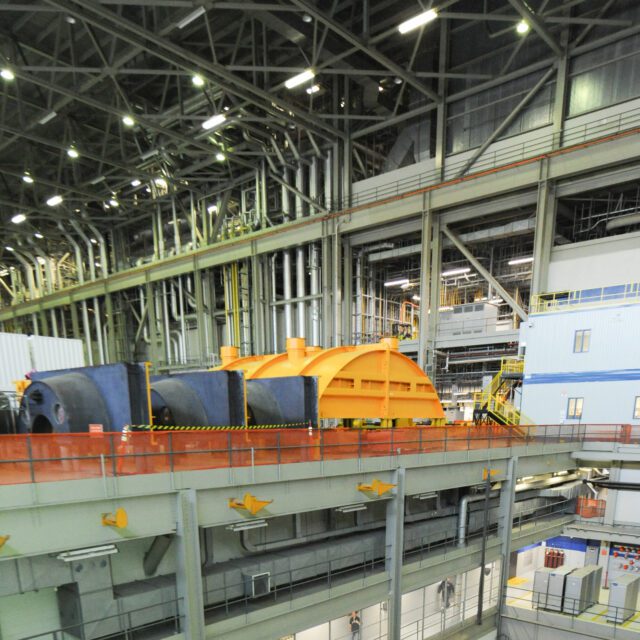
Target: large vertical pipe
274,309
286,265
97,319
183,328
300,259
315,290
166,322
87,332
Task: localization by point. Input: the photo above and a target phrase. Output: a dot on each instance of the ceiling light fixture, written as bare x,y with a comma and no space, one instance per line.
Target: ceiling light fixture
72,152
7,74
11,249
54,201
416,298
306,18
520,261
160,182
113,202
314,88
18,218
89,552
212,208
93,241
214,121
136,183
128,121
190,17
96,180
418,21
220,157
46,118
70,19
522,27
245,526
396,283
455,272
301,78
198,81
350,508
27,178
38,235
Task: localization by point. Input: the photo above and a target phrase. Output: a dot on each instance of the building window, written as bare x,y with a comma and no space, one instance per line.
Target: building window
574,408
636,409
582,341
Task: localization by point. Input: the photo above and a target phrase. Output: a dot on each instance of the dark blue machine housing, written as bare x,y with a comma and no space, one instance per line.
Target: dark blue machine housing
69,400
288,400
201,398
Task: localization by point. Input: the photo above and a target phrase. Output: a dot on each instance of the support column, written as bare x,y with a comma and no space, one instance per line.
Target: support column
434,297
612,494
336,259
560,98
257,304
544,231
505,526
327,324
347,289
425,276
188,562
441,111
394,543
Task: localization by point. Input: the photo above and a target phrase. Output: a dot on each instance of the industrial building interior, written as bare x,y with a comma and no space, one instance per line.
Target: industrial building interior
319,319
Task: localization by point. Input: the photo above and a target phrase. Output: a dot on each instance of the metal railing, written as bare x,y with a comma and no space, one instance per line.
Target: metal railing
585,298
574,610
54,457
127,623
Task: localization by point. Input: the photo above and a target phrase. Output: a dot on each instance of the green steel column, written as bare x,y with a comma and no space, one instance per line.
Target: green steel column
327,324
394,543
425,276
111,329
544,230
153,325
434,297
347,288
200,312
188,563
505,526
257,305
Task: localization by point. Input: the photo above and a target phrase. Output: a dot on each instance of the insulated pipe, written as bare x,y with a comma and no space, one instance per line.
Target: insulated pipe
77,252
87,241
315,291
97,318
463,514
102,245
183,328
288,310
28,273
274,310
623,221
300,259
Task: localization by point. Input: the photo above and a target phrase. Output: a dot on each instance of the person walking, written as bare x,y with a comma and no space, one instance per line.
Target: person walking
354,625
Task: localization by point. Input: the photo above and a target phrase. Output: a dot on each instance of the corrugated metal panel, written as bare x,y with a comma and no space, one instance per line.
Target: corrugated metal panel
14,359
56,353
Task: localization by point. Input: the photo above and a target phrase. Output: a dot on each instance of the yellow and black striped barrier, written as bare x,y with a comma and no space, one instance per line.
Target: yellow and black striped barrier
163,427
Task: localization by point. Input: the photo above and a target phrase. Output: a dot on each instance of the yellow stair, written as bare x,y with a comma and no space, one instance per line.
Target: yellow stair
495,397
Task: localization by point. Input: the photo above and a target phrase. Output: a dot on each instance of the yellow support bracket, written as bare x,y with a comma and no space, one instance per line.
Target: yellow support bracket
377,486
119,519
3,540
489,473
249,503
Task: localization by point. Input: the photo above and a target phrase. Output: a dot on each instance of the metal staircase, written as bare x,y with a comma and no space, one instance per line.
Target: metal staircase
494,404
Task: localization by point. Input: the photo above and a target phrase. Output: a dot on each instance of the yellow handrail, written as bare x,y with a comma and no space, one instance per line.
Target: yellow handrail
578,298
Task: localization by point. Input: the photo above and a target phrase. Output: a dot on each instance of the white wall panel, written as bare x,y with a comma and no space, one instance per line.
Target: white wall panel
15,360
56,353
595,263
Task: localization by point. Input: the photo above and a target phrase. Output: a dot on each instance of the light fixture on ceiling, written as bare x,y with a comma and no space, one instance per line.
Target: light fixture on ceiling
93,241
136,183
72,152
426,496
38,235
54,201
314,88
220,157
418,21
455,272
350,508
27,178
190,17
160,182
520,260
214,121
197,80
212,208
522,27
89,552
245,526
18,218
41,260
396,283
7,74
47,117
113,202
128,121
96,180
380,88
70,19
416,298
10,249
301,78
306,18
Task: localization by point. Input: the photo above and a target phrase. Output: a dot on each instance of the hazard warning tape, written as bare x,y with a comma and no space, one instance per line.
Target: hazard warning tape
162,427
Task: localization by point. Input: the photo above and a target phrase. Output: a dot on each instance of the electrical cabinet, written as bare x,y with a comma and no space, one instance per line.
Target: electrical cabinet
578,590
623,595
541,587
555,593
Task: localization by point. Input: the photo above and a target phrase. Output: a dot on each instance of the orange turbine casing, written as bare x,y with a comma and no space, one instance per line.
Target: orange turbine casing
362,381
